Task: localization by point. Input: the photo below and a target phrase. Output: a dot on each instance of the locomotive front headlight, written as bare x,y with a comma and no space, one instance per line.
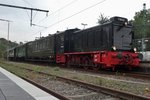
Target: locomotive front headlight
135,49
126,23
114,48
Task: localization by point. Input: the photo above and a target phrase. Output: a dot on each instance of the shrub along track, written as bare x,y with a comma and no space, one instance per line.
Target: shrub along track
73,89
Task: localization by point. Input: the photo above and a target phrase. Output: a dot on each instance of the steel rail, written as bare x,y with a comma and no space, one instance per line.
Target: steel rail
57,95
113,92
139,75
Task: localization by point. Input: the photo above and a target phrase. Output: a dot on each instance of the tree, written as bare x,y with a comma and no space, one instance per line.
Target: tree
141,23
4,46
102,19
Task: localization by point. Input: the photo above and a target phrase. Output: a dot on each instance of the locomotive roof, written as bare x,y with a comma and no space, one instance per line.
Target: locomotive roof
58,32
74,29
112,20
90,28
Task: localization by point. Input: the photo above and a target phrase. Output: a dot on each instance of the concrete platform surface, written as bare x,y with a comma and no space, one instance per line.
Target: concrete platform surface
15,88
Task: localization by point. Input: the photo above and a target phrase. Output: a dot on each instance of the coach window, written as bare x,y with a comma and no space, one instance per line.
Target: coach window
37,46
41,44
50,41
34,44
45,45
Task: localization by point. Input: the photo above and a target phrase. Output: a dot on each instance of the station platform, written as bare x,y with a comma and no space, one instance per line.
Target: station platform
15,88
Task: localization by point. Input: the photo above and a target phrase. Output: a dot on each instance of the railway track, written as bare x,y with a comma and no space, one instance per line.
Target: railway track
82,91
139,75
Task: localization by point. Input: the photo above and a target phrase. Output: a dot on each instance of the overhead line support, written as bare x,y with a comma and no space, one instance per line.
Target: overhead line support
27,8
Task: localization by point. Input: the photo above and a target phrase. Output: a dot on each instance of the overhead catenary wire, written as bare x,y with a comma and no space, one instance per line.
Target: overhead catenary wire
30,6
65,6
27,3
26,10
14,2
35,14
76,13
71,16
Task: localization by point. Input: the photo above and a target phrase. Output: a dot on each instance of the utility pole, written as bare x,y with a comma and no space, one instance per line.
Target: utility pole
8,21
27,8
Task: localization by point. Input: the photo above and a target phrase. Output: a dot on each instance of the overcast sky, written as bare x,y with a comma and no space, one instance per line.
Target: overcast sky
63,14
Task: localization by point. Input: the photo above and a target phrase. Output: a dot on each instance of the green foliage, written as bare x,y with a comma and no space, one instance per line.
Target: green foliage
141,23
102,19
4,44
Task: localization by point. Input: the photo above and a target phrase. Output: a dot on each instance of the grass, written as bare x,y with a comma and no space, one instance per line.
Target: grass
140,89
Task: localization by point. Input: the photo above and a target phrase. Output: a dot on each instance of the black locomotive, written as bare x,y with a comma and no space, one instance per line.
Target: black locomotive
106,46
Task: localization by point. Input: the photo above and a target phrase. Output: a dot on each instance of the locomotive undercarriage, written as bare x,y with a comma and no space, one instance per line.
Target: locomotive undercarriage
97,60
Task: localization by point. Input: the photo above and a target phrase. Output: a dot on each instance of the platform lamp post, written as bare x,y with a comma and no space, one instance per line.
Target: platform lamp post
84,25
143,35
8,21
